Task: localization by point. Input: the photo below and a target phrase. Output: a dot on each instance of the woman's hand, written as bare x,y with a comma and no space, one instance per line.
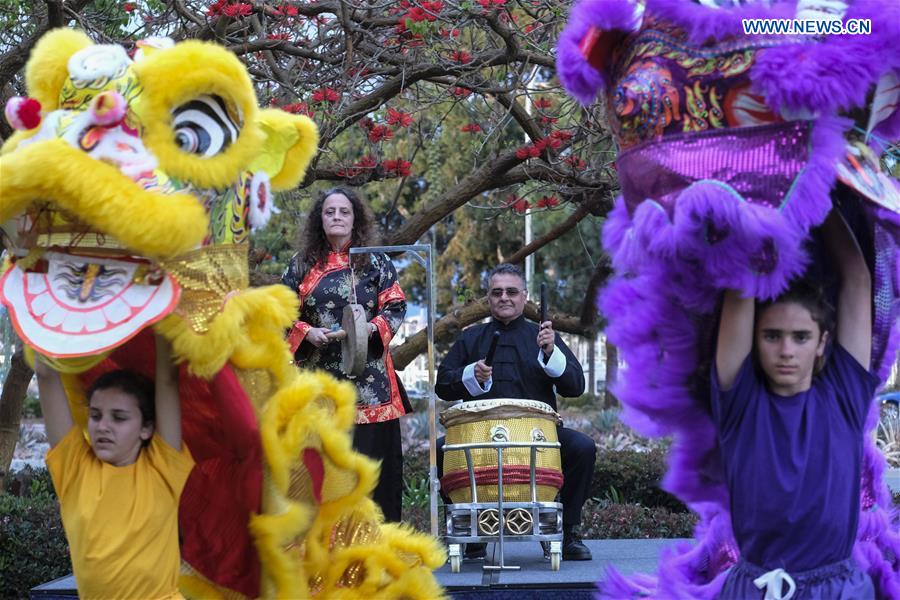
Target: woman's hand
316,336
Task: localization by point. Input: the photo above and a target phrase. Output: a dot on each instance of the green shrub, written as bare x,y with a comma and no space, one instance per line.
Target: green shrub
31,407
415,464
606,420
582,402
633,521
28,481
416,493
635,477
33,547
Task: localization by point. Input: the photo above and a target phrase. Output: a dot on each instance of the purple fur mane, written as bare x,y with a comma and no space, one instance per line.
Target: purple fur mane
672,265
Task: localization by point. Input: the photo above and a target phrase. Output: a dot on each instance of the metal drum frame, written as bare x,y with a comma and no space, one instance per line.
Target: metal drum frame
467,522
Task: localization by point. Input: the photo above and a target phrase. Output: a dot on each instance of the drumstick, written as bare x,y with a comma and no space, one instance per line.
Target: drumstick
543,313
490,355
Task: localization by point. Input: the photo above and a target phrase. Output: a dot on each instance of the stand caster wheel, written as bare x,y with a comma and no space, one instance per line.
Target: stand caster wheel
455,552
555,555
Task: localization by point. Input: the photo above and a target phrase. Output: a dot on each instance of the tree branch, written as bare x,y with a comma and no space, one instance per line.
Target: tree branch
584,208
479,181
12,61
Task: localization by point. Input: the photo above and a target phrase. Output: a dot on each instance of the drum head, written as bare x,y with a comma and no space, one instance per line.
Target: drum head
355,346
500,408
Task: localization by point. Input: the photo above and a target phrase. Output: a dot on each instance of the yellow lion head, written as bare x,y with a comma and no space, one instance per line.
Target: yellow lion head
130,190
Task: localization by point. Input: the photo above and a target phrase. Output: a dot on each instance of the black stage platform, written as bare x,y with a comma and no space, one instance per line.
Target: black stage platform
574,580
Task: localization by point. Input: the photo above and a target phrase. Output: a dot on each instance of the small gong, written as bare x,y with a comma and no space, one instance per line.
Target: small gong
355,345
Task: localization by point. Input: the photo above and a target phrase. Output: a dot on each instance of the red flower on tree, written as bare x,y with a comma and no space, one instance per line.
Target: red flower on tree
129,7
299,108
577,163
379,133
434,8
461,92
561,135
547,202
326,94
398,118
288,10
366,162
417,14
399,167
461,56
543,103
216,8
470,128
520,205
238,9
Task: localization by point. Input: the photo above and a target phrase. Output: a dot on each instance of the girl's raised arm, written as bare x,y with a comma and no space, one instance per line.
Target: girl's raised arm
168,402
54,404
854,309
735,340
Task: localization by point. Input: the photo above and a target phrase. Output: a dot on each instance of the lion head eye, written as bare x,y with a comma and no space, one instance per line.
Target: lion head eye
203,127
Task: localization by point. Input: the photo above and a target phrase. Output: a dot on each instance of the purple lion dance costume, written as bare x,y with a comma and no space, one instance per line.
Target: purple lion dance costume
731,147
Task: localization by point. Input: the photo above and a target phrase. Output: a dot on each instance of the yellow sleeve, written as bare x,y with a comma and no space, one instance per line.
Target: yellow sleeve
173,465
65,458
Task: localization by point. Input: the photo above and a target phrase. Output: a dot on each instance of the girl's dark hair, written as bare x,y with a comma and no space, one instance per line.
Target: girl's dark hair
134,384
314,246
811,297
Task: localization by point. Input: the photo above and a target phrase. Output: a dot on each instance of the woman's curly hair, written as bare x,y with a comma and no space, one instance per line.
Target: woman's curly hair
314,246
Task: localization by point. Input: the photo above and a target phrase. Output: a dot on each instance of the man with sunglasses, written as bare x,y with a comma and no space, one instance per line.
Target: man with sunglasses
530,362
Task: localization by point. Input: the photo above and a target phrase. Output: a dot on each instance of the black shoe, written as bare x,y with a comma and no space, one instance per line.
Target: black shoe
475,551
573,548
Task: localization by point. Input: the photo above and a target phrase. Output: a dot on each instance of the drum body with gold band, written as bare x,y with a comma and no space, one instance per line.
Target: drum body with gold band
501,420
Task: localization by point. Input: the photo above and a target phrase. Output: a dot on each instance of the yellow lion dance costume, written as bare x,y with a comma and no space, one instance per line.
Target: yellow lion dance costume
126,199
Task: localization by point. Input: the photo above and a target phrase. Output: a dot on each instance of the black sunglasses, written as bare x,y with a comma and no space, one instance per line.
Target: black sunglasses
510,292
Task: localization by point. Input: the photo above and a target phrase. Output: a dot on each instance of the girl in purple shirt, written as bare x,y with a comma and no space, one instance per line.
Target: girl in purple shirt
790,426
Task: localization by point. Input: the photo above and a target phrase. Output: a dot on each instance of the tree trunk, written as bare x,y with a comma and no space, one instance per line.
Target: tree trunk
612,375
11,400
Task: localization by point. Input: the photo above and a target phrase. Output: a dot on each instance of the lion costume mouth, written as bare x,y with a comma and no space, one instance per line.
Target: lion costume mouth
69,305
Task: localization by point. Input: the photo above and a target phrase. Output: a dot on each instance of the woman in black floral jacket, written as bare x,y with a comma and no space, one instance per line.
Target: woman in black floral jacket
320,273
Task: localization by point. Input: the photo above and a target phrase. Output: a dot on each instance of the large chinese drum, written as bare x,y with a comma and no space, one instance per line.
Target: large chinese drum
501,420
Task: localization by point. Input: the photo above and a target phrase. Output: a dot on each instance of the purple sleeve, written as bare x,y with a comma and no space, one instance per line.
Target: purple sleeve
852,384
728,406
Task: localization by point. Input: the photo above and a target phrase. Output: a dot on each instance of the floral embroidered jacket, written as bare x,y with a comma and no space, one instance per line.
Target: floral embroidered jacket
324,291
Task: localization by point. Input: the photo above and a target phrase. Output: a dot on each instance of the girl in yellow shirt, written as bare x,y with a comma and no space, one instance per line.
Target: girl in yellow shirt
119,489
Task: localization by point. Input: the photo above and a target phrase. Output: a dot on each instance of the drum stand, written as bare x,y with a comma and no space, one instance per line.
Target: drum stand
475,521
